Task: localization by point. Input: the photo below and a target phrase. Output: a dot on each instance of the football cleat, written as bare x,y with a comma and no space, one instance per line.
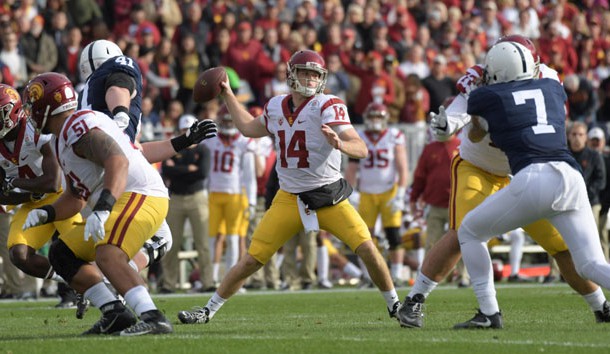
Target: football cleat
198,315
410,314
603,315
151,322
113,321
482,321
392,312
82,305
325,284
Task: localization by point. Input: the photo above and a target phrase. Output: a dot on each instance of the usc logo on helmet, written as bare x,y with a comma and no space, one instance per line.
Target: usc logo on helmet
35,91
57,96
10,92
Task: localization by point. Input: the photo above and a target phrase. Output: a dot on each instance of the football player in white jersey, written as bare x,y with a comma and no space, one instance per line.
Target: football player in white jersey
382,180
231,170
480,170
32,172
105,172
310,131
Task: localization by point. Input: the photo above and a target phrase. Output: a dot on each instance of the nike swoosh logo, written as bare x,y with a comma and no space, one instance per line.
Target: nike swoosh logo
335,201
487,323
25,157
300,121
105,330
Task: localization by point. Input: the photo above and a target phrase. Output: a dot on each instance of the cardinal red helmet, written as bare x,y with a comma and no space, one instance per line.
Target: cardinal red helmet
226,126
306,60
376,117
46,95
11,109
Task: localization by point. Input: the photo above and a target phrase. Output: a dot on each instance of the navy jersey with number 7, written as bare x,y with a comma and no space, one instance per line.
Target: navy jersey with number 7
93,95
526,120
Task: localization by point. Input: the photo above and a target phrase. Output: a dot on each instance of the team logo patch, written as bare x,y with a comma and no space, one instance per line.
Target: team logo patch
35,91
57,97
9,91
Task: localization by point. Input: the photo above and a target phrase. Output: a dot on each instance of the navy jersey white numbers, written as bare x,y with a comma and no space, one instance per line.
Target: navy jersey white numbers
93,95
526,120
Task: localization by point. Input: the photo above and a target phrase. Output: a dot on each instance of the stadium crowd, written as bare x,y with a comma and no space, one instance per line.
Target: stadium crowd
406,55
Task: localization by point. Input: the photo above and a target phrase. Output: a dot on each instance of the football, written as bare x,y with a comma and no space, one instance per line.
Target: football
498,269
208,83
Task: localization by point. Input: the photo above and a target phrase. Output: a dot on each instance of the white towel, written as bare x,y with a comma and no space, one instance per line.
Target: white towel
309,218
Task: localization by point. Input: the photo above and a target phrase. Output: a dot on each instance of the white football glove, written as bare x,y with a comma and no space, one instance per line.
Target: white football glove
397,203
471,80
95,225
35,217
121,119
438,122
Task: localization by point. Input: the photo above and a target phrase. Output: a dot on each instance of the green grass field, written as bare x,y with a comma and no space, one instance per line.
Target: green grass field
537,319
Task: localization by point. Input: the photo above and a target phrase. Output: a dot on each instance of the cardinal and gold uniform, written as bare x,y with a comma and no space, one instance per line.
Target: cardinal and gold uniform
137,213
305,161
23,158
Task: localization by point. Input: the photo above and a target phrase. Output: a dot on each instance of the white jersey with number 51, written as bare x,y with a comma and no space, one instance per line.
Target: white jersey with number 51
305,160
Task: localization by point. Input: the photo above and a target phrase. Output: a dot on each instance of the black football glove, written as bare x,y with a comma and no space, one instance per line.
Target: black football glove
201,130
7,185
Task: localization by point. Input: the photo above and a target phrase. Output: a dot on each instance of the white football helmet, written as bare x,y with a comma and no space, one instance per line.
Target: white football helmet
509,61
95,54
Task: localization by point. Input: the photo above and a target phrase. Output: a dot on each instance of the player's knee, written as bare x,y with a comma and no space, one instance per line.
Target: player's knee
64,261
393,236
19,255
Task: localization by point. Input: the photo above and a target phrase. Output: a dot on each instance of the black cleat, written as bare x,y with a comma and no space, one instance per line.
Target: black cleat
410,314
82,305
482,321
115,318
151,322
603,315
392,312
198,315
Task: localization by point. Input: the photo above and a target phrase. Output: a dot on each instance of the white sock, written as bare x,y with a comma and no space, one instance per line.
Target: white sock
420,253
323,261
216,272
596,299
517,239
139,300
99,295
390,297
214,304
279,260
351,270
423,285
232,251
396,271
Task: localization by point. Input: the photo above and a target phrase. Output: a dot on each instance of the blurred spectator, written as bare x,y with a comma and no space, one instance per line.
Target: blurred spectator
603,112
375,83
83,12
68,54
38,48
596,140
5,74
337,80
11,56
150,121
242,54
269,19
193,26
404,28
189,65
525,27
432,186
582,99
58,28
334,37
415,62
556,51
366,28
53,7
336,19
591,163
278,85
169,15
493,24
270,58
438,84
170,117
161,73
219,47
396,107
417,101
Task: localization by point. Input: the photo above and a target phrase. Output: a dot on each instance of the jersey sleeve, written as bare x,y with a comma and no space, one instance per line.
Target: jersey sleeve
399,138
126,65
334,112
479,101
79,125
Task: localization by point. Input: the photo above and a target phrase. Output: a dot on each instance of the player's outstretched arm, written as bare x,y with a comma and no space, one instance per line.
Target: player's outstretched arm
158,151
347,141
247,124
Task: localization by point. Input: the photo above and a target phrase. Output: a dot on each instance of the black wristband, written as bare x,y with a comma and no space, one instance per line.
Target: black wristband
180,143
119,109
50,212
105,201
